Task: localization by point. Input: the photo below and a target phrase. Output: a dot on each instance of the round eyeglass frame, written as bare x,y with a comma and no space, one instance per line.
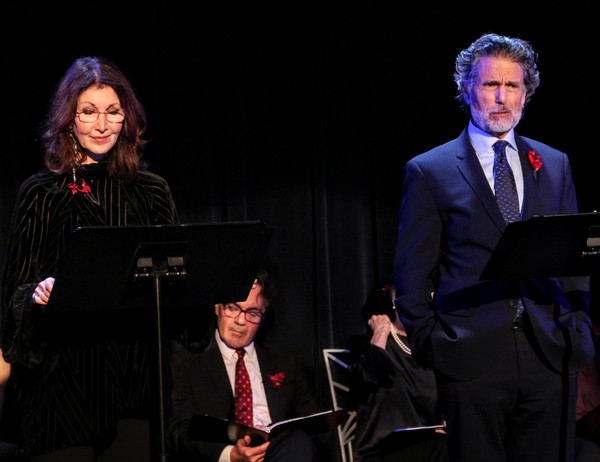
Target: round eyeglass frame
230,308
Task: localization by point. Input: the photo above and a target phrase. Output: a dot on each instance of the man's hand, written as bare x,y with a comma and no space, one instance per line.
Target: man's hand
243,452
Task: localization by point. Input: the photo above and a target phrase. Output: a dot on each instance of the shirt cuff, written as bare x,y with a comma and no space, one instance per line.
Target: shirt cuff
225,455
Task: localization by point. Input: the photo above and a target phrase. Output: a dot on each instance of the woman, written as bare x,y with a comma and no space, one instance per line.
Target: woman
398,416
70,396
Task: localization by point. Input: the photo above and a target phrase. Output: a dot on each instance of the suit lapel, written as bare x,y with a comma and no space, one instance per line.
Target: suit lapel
275,397
470,168
216,372
531,190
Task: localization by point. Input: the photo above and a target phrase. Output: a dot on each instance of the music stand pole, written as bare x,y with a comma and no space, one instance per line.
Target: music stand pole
160,269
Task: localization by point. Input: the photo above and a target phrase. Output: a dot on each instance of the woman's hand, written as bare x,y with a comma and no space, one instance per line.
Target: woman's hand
41,294
381,326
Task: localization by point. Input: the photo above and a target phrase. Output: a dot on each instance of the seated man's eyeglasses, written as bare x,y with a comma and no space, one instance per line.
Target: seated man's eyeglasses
252,315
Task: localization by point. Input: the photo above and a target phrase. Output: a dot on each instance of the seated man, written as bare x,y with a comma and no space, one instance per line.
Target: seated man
205,382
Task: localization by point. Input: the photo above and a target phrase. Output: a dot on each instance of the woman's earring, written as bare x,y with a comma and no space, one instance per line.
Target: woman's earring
72,135
75,143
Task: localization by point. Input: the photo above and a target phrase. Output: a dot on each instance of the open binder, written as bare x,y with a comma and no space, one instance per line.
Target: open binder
559,245
214,429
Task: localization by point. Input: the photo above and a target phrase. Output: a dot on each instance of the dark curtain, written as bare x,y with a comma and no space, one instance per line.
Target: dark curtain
300,115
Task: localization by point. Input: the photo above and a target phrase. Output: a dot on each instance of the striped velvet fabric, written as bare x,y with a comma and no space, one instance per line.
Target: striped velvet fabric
70,390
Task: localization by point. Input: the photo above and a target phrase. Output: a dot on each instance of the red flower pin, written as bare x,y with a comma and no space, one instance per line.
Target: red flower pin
75,188
277,380
535,161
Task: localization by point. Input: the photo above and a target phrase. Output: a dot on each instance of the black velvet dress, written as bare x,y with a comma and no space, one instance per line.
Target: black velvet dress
392,392
72,392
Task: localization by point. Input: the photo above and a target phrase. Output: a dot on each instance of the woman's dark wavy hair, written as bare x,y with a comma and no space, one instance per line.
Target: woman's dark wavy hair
517,50
60,151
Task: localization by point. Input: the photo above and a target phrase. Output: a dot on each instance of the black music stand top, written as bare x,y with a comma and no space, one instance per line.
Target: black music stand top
560,245
111,267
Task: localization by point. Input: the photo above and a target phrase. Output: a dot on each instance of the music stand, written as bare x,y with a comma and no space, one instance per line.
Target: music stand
560,245
123,269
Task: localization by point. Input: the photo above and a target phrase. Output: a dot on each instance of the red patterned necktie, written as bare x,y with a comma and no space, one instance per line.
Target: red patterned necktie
243,391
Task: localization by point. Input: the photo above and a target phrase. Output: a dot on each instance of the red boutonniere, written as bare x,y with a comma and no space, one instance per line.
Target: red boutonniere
277,380
75,188
535,161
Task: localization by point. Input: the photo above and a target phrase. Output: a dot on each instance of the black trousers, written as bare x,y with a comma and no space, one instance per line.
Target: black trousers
291,446
521,410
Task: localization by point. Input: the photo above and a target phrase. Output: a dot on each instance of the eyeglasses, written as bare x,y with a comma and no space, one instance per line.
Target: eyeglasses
253,315
88,116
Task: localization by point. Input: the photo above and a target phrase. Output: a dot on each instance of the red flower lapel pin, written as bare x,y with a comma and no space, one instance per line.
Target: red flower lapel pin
536,162
277,380
75,188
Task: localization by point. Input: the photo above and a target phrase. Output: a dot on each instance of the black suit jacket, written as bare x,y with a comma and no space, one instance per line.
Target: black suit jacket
450,224
200,384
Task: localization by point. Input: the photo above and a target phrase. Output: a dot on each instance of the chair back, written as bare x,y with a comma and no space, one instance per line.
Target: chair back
337,365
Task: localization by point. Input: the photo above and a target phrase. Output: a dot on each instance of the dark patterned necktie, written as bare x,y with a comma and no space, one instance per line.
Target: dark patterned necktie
506,195
243,391
504,184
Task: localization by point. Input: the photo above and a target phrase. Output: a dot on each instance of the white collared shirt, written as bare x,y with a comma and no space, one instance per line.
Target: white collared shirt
482,142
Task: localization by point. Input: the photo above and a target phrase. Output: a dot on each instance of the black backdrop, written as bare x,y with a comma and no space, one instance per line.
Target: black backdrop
301,115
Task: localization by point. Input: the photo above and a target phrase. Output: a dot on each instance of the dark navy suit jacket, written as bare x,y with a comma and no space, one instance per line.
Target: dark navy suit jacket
449,226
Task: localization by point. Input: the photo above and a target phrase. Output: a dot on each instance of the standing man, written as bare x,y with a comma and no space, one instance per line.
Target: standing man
505,352
204,382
